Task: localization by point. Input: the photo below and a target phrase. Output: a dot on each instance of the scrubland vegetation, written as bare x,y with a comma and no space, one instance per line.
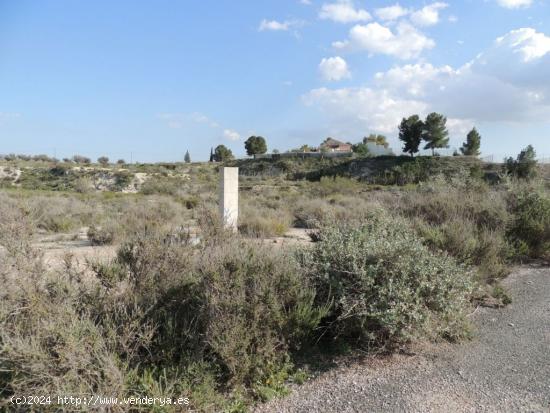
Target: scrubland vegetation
402,250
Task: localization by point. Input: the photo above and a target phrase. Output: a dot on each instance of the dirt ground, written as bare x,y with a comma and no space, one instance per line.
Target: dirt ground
56,247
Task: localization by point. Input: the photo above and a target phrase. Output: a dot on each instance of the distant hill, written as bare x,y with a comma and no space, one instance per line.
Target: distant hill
378,170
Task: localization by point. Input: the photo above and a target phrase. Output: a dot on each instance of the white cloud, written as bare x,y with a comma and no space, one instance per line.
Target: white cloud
527,42
334,69
514,4
273,25
428,15
231,135
520,57
391,12
494,87
362,108
412,79
306,2
459,127
406,43
343,11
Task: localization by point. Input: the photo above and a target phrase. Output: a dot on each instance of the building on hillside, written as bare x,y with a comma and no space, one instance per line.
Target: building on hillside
333,145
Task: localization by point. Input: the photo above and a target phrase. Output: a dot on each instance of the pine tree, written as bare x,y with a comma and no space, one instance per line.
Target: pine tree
222,153
525,165
211,155
472,144
435,132
187,157
410,132
255,145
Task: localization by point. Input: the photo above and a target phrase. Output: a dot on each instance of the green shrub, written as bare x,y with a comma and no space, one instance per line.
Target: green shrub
468,224
500,293
385,286
122,180
486,249
524,166
258,305
240,305
456,237
530,226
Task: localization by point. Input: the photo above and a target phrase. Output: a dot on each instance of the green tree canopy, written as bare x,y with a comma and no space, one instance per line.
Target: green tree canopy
81,159
435,132
303,148
410,132
187,157
103,160
472,144
525,165
361,149
255,145
222,153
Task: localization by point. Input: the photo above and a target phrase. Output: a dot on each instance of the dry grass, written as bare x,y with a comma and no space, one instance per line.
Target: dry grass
220,322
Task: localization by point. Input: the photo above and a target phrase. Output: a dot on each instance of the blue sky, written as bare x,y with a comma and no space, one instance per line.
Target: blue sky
150,80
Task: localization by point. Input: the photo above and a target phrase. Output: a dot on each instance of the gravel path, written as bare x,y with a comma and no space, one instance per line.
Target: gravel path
505,368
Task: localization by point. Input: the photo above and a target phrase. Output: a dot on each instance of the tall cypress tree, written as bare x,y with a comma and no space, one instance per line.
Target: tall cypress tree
187,157
435,132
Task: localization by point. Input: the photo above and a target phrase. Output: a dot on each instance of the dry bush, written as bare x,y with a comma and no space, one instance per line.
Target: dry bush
49,344
58,212
310,213
469,224
485,208
313,213
258,306
265,222
166,317
120,218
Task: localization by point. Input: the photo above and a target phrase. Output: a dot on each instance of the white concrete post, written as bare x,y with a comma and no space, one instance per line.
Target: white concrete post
229,197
